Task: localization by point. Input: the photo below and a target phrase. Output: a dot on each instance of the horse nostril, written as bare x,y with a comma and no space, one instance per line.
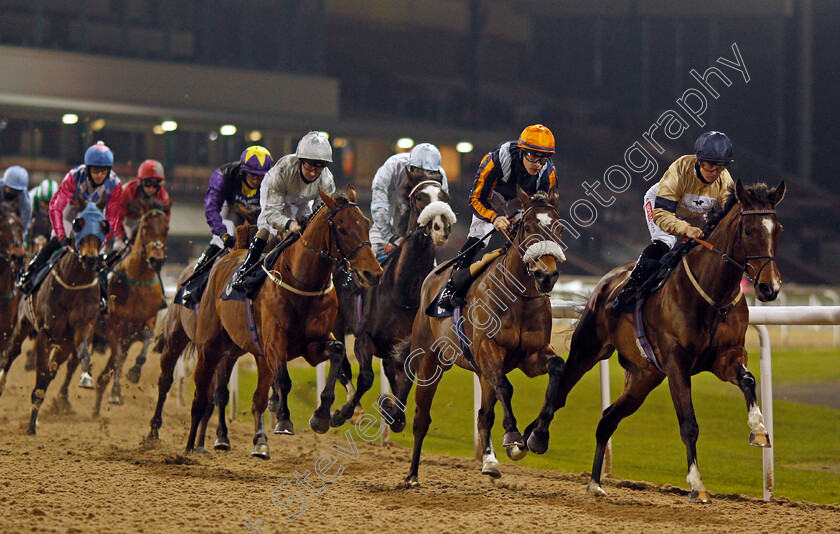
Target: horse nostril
764,289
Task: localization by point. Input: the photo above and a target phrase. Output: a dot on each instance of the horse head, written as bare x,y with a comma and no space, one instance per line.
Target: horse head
90,229
151,236
348,240
11,240
537,239
430,211
759,232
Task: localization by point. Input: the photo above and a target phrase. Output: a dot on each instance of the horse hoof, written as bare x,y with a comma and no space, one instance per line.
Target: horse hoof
273,405
513,438
261,451
760,440
398,425
491,468
284,426
133,375
516,453
319,425
115,399
411,482
699,496
222,443
595,489
201,450
86,381
537,444
153,436
30,431
337,419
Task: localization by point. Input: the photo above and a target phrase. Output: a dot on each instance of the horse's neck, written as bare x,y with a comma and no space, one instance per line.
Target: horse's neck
72,269
719,278
304,264
135,266
417,258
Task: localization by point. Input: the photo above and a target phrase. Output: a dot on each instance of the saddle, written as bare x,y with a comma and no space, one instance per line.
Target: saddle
434,310
42,273
255,277
658,276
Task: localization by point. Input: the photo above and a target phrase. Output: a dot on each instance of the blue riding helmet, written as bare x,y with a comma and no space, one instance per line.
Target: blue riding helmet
714,147
16,177
99,155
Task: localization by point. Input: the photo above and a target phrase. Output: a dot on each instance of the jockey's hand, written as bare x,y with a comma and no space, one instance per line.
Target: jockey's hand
393,243
229,241
501,223
294,226
693,232
64,241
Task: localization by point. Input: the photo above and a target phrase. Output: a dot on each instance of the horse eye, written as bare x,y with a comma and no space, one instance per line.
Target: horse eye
342,231
747,232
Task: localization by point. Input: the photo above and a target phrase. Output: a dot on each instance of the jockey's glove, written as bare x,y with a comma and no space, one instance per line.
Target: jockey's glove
229,241
64,241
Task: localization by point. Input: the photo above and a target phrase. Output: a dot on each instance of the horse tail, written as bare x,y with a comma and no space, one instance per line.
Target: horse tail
400,351
578,305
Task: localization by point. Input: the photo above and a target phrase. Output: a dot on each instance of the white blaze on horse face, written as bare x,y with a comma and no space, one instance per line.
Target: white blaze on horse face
433,192
544,219
768,225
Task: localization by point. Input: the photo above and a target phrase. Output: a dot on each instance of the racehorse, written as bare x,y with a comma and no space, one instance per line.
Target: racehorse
135,292
12,254
64,309
291,316
696,322
505,325
381,316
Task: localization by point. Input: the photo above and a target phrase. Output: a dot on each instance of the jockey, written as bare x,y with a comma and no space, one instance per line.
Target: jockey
138,192
690,188
524,163
41,195
15,182
288,195
393,182
234,183
96,182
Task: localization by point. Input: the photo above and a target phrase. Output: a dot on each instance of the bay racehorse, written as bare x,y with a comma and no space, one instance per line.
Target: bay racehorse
292,315
696,322
135,293
381,316
64,309
504,325
12,254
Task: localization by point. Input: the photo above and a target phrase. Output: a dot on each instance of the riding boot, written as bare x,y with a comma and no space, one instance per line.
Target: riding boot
460,278
204,262
25,282
254,253
646,265
206,257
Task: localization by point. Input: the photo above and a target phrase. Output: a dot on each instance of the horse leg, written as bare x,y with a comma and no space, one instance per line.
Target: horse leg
105,376
205,419
320,420
171,349
486,417
19,334
265,377
274,399
364,355
680,385
116,390
585,351
423,397
62,402
638,383
83,354
729,367
133,374
221,399
284,384
47,368
205,369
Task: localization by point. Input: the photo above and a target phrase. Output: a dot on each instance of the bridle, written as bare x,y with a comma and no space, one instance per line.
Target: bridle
157,244
743,267
516,227
344,259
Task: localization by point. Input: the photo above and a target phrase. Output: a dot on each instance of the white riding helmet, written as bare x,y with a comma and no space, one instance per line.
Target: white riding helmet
314,146
16,177
425,156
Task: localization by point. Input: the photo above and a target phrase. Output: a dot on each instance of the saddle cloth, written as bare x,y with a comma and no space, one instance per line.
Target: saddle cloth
434,309
255,277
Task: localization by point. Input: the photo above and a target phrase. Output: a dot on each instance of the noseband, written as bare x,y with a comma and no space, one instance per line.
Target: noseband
743,267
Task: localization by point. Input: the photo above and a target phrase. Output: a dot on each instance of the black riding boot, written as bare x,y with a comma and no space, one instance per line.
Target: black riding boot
25,282
254,253
206,257
456,287
646,265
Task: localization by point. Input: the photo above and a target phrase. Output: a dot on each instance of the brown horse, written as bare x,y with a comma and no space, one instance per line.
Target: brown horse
63,311
505,325
135,293
12,254
293,314
696,322
386,311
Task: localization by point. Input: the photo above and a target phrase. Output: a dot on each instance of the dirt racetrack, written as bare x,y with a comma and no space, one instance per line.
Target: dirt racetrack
85,475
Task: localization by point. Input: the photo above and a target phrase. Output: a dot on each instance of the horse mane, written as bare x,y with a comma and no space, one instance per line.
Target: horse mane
755,193
541,198
341,198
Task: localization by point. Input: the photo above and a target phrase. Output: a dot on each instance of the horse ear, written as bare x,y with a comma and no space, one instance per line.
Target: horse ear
326,199
740,192
79,201
78,225
351,193
105,226
523,197
554,197
776,195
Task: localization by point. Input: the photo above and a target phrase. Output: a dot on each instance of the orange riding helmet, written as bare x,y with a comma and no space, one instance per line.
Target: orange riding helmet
537,138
